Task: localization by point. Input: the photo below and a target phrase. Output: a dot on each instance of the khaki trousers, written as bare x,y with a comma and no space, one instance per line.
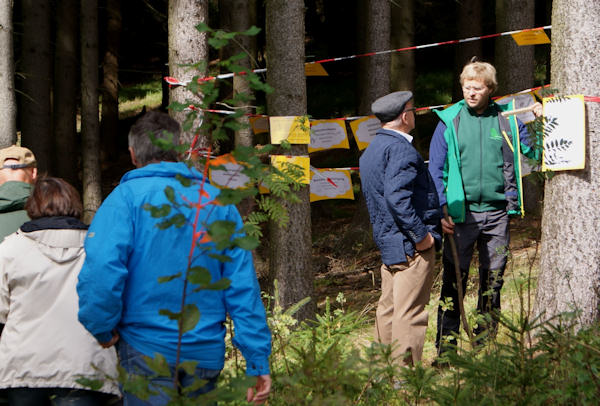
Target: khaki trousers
401,318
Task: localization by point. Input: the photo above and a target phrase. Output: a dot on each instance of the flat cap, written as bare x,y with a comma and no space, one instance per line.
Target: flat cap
388,107
22,155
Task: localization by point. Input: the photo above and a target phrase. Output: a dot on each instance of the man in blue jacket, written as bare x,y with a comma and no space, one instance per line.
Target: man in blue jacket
120,297
474,161
405,214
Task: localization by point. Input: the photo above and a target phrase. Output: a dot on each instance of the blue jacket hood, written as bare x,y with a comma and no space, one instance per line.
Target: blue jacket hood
163,170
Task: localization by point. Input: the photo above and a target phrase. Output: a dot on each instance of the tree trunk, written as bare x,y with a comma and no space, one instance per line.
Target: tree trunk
403,35
109,127
468,24
374,74
515,68
239,15
374,82
548,6
65,92
90,135
8,104
186,46
36,68
570,261
290,247
515,65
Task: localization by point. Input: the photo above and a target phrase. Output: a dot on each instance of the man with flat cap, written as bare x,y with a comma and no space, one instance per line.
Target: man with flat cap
18,172
404,211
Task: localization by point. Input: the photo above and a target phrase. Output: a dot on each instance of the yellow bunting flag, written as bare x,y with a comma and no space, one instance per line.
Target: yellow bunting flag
263,190
364,130
260,125
282,161
327,134
531,37
315,69
330,184
294,129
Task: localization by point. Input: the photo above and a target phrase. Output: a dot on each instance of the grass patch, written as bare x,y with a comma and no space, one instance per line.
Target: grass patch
133,98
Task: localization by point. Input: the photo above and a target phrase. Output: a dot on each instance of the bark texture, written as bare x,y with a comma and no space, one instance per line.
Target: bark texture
570,262
290,261
403,35
374,74
515,67
65,91
468,24
374,82
109,127
37,77
238,16
515,64
90,132
186,46
8,103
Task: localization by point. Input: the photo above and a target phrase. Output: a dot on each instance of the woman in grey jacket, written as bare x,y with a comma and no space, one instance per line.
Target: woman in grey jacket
44,350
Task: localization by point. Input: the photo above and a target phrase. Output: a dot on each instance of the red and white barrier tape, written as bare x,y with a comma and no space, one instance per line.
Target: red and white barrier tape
418,109
435,44
175,82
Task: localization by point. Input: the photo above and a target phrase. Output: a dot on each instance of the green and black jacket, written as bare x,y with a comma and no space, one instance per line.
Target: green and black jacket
475,160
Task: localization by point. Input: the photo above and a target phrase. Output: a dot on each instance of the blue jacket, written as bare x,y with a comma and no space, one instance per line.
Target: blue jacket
126,254
400,195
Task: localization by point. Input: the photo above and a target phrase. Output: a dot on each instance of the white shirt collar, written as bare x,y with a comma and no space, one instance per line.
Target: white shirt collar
408,137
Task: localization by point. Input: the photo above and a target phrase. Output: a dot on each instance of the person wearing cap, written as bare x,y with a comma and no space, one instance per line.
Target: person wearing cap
17,174
405,214
474,158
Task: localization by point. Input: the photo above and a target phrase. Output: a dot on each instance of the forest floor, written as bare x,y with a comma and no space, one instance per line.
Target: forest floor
355,273
354,270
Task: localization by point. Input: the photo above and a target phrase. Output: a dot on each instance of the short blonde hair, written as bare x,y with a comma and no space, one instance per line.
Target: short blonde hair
480,71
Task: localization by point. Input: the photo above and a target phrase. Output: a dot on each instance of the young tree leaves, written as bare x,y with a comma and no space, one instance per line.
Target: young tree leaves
158,211
165,279
189,367
91,384
247,242
187,182
191,317
158,365
199,275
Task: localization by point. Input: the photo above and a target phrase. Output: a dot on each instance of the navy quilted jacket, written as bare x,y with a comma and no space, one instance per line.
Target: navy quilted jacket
401,197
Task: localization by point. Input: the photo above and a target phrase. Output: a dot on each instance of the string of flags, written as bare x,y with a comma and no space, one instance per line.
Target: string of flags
523,37
324,134
564,143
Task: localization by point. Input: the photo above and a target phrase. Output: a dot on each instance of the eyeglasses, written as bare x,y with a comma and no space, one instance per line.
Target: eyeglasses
474,89
411,109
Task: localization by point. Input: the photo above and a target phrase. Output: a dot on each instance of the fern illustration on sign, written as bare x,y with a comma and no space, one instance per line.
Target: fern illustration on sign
564,133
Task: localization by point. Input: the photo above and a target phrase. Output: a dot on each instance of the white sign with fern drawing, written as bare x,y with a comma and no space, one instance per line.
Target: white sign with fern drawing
564,133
